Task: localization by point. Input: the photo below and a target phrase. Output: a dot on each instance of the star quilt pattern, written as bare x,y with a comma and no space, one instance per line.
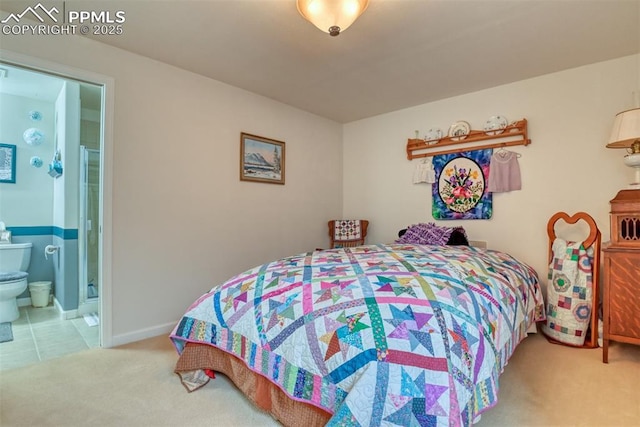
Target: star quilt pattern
410,335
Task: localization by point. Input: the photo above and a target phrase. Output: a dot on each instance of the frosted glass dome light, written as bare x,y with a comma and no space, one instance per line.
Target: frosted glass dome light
331,16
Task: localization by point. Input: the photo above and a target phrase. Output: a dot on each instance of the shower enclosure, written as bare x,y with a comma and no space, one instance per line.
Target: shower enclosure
88,232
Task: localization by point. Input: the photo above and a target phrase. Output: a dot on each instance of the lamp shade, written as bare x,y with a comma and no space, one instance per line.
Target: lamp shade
332,16
626,129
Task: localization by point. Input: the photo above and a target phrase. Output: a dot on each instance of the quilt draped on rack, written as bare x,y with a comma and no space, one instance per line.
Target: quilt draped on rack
569,292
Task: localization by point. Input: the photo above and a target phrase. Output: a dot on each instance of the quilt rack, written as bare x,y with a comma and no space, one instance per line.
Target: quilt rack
593,240
416,147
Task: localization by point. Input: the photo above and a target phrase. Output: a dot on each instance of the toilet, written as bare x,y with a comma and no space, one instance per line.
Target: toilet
14,262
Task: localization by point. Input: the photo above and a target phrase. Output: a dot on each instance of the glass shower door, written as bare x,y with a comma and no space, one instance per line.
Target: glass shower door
88,233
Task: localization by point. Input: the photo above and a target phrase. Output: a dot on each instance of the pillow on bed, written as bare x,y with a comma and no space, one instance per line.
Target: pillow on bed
432,234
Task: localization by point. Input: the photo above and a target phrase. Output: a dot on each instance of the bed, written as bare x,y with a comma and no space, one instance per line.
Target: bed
387,334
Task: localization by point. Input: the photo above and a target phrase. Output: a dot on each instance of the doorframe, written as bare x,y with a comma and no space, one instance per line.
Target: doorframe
106,182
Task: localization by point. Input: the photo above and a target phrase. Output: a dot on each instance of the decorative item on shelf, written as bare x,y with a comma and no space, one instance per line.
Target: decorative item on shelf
35,116
33,136
495,125
459,130
36,162
626,134
331,16
512,135
433,136
55,167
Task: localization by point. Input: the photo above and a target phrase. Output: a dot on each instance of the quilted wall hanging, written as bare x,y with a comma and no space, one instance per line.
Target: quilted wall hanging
460,190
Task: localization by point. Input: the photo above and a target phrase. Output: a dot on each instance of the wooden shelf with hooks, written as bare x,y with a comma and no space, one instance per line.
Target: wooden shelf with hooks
433,148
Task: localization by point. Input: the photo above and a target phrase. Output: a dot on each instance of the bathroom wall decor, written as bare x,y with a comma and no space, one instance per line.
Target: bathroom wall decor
33,136
36,162
55,167
34,115
7,163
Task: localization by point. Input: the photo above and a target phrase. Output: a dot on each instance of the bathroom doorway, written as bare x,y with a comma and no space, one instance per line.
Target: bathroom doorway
78,265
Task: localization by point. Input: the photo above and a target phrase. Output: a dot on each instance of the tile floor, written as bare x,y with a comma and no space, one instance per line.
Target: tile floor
40,334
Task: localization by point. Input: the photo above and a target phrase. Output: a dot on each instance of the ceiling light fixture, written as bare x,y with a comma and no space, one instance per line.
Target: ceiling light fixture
332,16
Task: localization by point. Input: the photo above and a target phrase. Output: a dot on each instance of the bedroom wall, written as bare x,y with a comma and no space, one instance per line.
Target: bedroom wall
566,167
182,220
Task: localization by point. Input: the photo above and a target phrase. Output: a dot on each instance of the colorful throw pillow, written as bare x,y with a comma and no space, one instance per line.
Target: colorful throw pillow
569,293
430,234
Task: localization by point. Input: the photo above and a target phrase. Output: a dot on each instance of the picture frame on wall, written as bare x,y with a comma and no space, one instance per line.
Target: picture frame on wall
7,164
261,159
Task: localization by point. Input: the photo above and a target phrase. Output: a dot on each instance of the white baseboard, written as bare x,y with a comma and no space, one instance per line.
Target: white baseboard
117,340
65,315
142,334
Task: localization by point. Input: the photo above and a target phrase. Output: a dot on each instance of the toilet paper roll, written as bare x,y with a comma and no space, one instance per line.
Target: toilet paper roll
50,250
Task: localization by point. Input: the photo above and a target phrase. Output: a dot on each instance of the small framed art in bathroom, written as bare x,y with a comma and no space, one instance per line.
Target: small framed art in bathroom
7,164
261,159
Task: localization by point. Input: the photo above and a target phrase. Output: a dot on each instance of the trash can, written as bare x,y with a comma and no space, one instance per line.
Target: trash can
39,292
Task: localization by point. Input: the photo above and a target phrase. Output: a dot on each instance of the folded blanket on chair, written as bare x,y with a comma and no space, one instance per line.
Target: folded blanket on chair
347,229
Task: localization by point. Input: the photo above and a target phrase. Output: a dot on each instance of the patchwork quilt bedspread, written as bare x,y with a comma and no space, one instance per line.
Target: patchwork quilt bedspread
395,334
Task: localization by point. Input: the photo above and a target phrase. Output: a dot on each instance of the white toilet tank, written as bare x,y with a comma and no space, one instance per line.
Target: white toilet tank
15,257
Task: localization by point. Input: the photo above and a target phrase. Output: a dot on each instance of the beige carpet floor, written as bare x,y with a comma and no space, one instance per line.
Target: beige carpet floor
134,385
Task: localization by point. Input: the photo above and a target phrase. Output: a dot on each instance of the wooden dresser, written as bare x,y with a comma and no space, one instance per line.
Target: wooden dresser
621,263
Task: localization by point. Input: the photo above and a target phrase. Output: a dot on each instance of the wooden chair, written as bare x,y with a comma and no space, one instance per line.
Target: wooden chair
347,233
592,240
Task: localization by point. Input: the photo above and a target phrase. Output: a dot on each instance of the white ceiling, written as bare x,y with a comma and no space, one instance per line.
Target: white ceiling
44,87
29,84
398,54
